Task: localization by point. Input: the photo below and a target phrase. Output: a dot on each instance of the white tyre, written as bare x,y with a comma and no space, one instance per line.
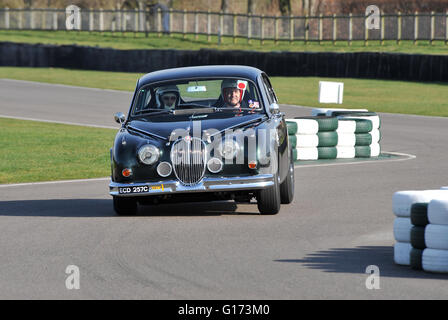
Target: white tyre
306,126
402,229
307,140
436,236
444,188
346,126
346,140
403,200
376,122
346,152
375,149
307,153
402,253
376,135
438,211
434,260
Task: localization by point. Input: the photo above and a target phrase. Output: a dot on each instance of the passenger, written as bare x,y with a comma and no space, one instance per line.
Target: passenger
168,97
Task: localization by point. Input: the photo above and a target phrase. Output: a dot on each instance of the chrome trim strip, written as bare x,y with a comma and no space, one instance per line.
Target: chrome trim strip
206,185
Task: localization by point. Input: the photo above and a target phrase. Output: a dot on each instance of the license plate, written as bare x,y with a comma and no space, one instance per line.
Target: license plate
130,190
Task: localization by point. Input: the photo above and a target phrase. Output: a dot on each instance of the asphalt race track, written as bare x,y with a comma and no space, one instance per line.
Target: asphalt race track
316,248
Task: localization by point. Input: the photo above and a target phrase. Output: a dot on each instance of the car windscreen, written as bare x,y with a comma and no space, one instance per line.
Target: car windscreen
233,96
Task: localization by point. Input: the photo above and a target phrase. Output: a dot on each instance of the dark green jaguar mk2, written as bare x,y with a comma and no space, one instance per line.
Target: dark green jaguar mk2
202,134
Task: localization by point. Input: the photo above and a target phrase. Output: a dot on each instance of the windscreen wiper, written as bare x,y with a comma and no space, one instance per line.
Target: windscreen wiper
152,112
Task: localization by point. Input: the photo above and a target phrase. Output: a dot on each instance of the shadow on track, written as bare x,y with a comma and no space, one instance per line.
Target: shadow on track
69,208
356,260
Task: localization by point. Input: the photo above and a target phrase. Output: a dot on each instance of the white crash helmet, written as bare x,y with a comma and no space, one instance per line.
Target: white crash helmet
233,83
167,97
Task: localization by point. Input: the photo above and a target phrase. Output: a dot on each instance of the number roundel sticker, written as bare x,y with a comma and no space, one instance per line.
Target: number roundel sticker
242,85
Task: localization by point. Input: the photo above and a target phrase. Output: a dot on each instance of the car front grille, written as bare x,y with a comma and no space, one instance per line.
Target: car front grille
188,159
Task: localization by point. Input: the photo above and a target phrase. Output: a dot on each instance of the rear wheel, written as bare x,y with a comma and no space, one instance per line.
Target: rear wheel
268,200
125,206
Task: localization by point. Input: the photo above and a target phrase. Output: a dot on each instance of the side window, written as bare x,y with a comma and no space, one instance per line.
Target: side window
271,94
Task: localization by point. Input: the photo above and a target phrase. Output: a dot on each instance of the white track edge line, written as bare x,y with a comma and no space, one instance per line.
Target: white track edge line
60,122
52,182
408,157
65,85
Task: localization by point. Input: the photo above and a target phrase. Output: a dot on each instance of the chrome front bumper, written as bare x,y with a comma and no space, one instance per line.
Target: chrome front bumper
206,185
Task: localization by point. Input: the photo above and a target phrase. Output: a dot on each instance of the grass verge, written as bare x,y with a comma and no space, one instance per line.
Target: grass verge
430,99
131,40
36,151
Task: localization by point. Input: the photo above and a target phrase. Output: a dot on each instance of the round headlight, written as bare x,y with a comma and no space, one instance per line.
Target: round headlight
228,149
214,165
148,154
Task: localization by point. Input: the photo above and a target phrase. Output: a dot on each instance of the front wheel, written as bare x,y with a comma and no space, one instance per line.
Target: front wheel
287,186
268,200
125,206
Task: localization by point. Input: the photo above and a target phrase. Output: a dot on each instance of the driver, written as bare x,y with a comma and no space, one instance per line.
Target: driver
168,97
232,92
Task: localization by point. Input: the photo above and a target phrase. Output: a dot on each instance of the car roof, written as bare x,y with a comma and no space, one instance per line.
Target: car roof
218,71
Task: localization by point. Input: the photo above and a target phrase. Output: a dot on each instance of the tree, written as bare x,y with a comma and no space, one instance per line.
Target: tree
251,5
285,7
224,5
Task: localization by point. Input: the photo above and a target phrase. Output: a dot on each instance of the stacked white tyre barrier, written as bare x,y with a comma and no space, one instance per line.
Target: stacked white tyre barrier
435,256
412,226
313,138
358,131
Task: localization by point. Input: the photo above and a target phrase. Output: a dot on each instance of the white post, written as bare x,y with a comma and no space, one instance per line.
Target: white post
335,29
90,20
350,29
6,18
32,19
433,22
249,27
20,19
55,20
44,20
101,20
184,26
196,25
415,27
136,20
159,22
446,26
209,26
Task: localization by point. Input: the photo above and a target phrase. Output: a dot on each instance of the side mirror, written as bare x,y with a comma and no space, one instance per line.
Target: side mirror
274,108
120,117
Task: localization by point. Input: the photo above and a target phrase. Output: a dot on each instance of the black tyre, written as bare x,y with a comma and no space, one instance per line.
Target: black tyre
362,152
125,206
292,127
418,237
416,259
293,141
363,139
287,186
327,139
268,199
327,152
353,113
362,125
419,214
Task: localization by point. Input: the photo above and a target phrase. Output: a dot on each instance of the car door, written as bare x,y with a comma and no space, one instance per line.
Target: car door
282,131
